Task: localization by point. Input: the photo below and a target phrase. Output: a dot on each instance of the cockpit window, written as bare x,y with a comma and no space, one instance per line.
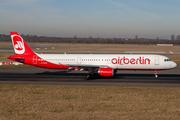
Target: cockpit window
166,60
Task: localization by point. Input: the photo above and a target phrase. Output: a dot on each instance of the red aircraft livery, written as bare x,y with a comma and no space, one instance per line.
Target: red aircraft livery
103,64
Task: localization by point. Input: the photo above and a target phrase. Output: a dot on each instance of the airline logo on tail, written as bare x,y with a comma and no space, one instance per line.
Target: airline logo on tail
18,44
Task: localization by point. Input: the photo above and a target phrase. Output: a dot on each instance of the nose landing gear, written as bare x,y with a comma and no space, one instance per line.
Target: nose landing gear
156,75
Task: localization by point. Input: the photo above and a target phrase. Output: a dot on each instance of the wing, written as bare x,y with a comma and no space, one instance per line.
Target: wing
88,66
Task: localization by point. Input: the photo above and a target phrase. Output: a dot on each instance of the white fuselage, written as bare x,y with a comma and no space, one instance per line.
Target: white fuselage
116,61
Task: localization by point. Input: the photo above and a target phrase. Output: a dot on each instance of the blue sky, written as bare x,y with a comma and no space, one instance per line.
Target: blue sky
97,18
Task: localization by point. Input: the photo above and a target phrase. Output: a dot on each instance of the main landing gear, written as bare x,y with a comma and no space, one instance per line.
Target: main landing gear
156,75
89,75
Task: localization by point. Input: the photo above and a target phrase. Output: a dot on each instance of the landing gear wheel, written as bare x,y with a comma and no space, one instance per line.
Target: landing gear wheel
88,76
156,76
92,74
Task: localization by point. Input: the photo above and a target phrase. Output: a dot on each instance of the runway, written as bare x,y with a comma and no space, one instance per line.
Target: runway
40,76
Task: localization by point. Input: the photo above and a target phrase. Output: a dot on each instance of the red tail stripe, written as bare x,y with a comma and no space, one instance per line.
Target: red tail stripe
14,33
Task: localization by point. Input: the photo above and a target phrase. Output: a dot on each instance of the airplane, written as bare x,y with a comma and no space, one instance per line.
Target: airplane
103,64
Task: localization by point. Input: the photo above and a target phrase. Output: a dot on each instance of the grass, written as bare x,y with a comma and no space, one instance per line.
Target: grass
174,57
101,47
15,66
116,47
4,55
88,102
109,47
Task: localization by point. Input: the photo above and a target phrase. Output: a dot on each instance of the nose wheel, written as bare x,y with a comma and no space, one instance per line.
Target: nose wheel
156,75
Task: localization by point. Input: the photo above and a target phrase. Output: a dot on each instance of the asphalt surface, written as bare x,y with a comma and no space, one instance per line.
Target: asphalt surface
40,76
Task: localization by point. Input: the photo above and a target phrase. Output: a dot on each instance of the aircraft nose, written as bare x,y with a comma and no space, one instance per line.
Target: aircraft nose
173,65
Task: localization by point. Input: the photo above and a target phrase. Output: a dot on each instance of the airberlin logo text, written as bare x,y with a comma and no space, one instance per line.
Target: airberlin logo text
124,60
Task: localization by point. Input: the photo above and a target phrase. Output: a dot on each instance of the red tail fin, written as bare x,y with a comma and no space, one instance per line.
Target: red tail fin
20,46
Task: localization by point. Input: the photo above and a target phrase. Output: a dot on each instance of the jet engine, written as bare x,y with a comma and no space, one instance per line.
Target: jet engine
106,72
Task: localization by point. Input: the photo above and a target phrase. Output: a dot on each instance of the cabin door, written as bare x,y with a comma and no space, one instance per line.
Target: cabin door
156,60
78,60
35,59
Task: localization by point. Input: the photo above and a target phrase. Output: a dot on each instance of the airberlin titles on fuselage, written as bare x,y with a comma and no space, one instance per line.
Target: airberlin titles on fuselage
125,60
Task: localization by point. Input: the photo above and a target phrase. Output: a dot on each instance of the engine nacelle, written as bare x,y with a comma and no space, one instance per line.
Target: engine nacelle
106,72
